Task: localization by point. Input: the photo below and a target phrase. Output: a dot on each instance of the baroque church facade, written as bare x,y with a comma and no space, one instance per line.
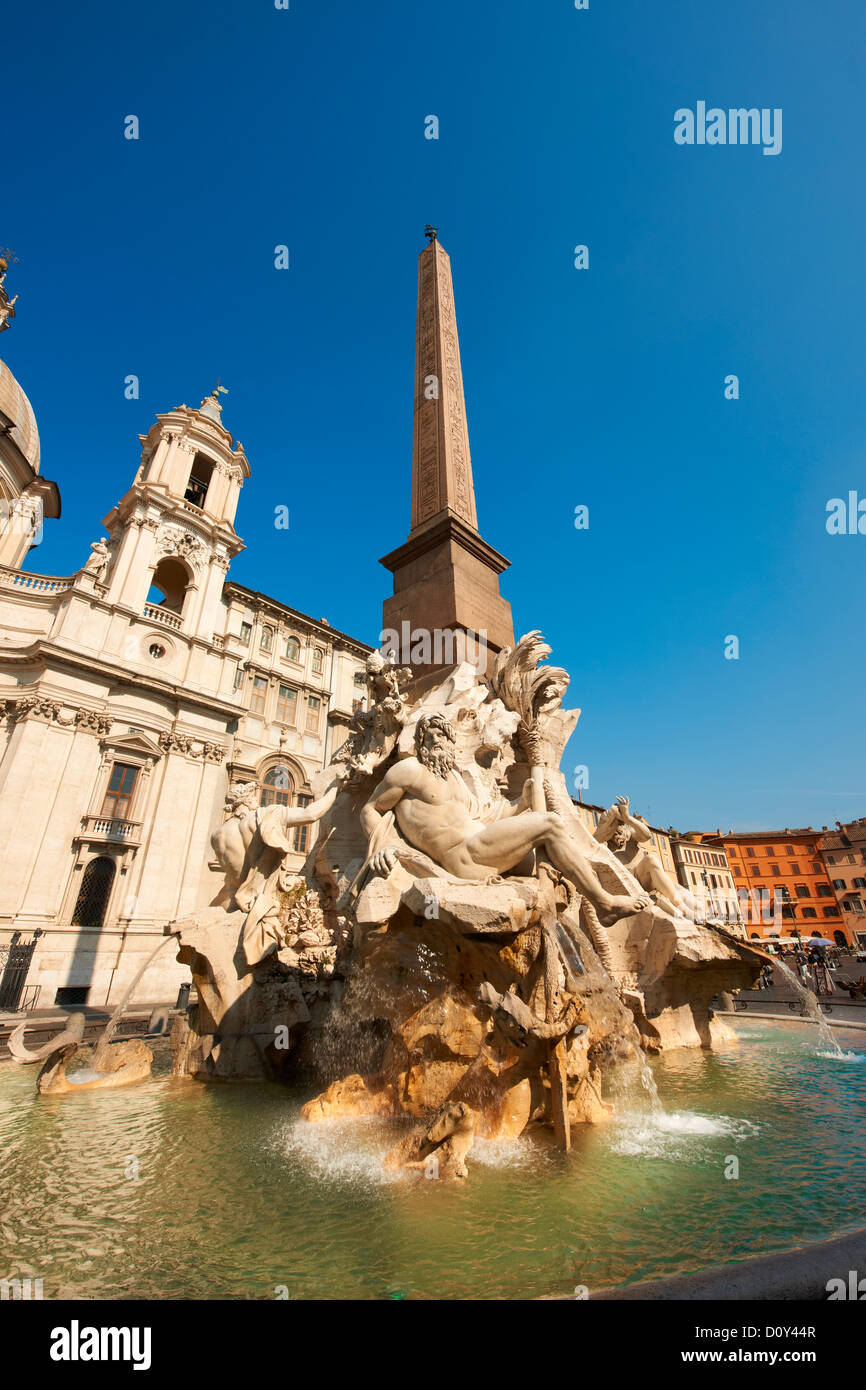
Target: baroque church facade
136,697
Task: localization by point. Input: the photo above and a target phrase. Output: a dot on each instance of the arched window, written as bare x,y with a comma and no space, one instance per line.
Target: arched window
169,585
199,480
318,661
267,639
277,787
293,649
94,893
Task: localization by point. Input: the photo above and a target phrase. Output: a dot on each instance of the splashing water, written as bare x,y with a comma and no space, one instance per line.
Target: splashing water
812,1009
676,1134
648,1081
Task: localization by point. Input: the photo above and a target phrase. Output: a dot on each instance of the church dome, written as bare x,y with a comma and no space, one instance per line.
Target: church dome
16,408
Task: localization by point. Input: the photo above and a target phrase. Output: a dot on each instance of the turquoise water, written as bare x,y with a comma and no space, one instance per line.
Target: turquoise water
235,1197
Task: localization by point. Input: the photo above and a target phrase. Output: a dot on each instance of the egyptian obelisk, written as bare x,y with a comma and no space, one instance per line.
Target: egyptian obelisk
446,577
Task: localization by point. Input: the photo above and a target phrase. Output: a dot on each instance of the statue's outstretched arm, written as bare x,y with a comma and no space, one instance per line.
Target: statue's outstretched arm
278,819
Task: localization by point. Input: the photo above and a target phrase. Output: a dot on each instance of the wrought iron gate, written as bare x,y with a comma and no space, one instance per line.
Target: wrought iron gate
15,962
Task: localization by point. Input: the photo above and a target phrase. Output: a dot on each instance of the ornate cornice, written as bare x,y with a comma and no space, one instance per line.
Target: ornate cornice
48,711
191,747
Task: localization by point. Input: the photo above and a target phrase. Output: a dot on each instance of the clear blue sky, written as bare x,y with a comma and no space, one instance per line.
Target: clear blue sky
604,387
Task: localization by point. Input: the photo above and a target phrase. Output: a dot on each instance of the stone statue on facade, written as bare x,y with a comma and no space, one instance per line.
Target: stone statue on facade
98,561
7,305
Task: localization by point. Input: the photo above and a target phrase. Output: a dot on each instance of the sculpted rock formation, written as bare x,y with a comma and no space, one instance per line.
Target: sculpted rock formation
459,950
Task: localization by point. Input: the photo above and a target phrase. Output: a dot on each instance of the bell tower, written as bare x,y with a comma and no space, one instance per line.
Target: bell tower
172,535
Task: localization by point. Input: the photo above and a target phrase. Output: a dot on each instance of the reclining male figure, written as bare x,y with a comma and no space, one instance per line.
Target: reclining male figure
436,814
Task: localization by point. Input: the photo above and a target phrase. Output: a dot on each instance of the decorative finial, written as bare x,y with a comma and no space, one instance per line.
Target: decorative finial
430,232
219,389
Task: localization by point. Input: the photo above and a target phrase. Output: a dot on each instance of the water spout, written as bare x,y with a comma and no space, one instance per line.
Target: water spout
110,1027
811,1007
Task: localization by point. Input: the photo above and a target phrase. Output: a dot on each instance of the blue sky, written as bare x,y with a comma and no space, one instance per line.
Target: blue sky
602,387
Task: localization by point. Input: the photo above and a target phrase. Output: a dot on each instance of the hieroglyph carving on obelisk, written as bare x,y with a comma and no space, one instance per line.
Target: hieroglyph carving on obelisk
441,464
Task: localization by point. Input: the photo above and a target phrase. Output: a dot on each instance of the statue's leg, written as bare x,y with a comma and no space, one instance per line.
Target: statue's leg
651,876
579,869
498,847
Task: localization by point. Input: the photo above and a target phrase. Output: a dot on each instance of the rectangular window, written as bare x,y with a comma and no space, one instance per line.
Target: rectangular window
831,859
750,852
789,850
776,871
771,852
831,912
313,703
824,891
839,883
860,883
795,868
239,678
121,785
816,867
246,632
802,891
301,831
755,871
287,700
809,912
257,699
267,641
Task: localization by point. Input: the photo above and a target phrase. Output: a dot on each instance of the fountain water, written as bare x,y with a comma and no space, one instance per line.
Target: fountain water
110,1027
811,1007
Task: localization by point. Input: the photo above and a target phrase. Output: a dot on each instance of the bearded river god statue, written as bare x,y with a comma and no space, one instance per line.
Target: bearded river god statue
458,950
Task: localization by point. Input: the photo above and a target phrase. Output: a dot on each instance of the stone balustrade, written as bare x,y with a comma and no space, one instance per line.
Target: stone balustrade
105,828
164,616
34,583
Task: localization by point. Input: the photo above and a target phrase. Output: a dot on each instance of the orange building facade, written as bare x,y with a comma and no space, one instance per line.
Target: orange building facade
844,855
783,883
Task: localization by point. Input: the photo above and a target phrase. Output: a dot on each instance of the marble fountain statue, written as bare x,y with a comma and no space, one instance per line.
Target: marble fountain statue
459,953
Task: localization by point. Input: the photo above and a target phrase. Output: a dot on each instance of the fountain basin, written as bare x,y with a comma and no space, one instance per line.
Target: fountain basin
312,1209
